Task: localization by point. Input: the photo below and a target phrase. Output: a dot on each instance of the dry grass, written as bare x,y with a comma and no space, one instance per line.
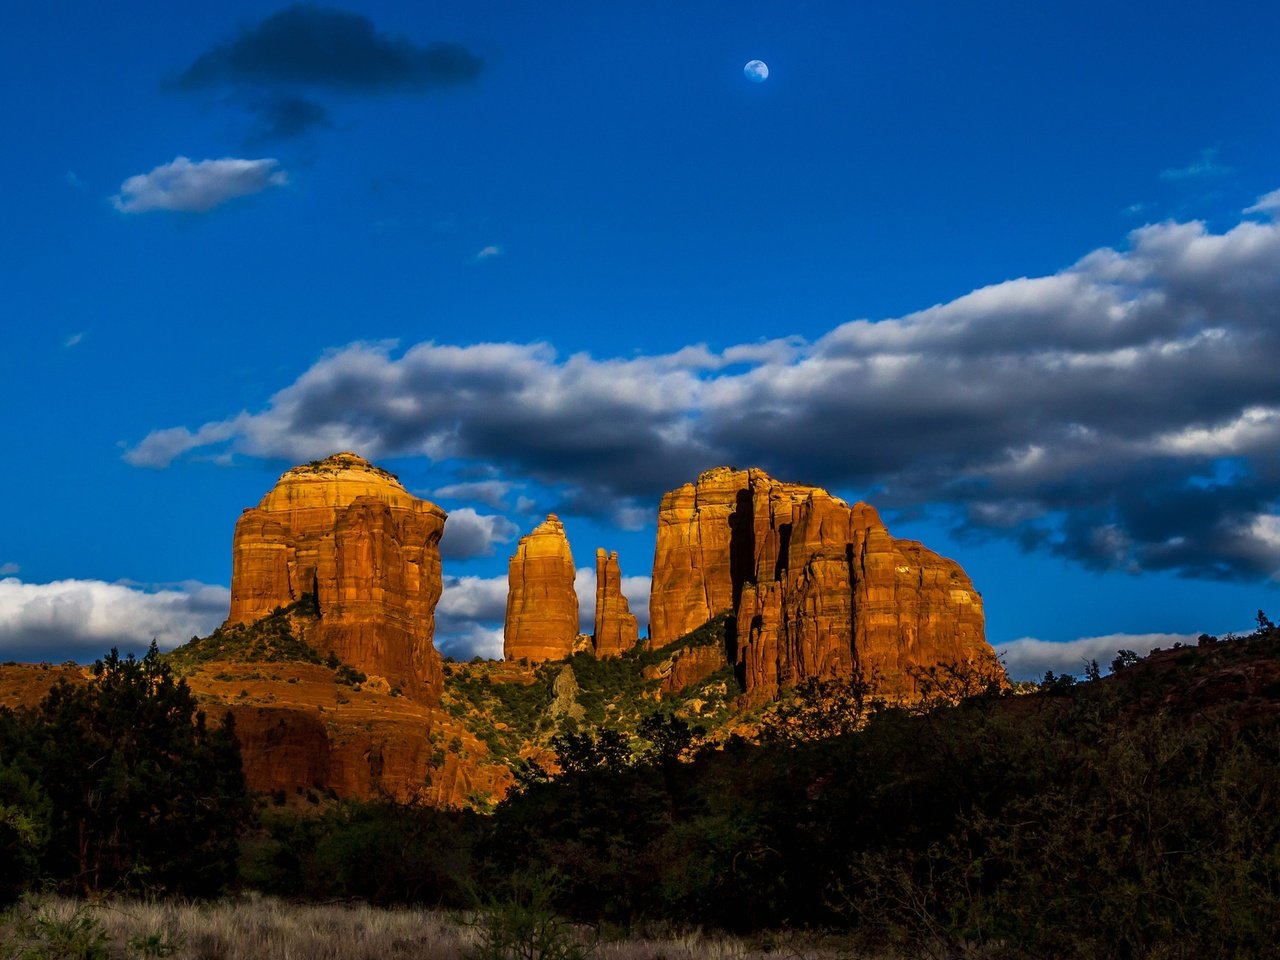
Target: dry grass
267,929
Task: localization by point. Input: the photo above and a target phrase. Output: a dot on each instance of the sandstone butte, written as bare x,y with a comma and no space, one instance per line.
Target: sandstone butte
542,606
349,534
818,587
616,629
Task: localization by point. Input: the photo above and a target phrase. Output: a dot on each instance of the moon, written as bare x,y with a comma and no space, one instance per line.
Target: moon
757,71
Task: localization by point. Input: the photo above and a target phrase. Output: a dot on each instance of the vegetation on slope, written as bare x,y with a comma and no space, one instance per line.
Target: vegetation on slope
513,713
1135,815
271,639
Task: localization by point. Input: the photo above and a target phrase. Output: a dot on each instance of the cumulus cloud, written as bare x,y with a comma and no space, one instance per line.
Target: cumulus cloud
469,534
1124,412
469,617
327,47
1030,659
195,187
82,619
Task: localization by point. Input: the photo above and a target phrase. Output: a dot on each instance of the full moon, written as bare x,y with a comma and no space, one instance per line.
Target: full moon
757,71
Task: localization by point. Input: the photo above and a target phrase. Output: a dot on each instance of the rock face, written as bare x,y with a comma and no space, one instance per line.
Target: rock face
818,587
349,534
616,628
542,607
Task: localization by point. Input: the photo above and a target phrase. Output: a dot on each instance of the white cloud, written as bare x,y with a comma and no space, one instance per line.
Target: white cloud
72,340
1029,659
469,534
488,253
472,640
469,617
1268,204
82,619
1098,400
483,599
197,186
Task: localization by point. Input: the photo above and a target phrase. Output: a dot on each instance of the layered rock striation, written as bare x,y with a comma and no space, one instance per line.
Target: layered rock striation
818,587
542,606
349,534
616,628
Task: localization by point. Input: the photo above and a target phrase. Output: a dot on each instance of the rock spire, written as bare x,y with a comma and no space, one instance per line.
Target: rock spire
616,630
542,607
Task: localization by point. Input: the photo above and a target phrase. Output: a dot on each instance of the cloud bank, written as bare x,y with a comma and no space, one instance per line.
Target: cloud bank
1030,659
195,187
470,534
83,619
1123,413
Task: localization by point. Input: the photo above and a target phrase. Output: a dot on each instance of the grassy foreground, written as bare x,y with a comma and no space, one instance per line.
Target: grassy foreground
58,928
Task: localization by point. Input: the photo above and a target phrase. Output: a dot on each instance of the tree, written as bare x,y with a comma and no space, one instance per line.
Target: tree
143,793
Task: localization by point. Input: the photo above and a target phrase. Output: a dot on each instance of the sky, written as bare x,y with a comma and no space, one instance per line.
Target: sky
1008,271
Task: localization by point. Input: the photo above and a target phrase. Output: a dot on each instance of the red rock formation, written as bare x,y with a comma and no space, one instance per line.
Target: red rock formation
616,628
542,607
299,731
686,667
819,588
348,533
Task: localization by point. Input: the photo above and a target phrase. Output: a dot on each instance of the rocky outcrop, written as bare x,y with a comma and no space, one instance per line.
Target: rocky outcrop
542,607
349,534
616,628
302,733
818,587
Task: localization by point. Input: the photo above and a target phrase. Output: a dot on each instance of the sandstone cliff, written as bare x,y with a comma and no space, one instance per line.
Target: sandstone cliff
349,534
616,629
818,587
542,607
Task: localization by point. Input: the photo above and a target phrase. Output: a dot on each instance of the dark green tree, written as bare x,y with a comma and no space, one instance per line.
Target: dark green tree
144,794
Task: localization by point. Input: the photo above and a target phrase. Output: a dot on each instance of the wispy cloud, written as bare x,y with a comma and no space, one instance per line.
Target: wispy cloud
197,186
1268,204
8,569
1091,413
72,340
82,619
488,253
1204,167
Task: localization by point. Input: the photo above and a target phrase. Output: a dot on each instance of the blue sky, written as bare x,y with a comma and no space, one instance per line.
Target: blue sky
1011,272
